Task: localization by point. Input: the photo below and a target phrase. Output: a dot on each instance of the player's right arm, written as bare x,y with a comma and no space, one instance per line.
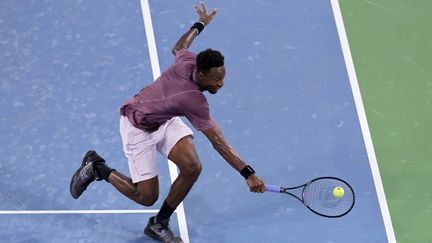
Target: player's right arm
218,141
187,38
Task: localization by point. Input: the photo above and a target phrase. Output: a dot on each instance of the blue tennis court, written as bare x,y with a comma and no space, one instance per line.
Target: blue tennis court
288,107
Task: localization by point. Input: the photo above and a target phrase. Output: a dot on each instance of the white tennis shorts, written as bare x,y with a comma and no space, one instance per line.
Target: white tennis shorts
140,147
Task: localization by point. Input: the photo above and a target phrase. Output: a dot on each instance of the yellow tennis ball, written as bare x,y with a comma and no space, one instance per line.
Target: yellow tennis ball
338,192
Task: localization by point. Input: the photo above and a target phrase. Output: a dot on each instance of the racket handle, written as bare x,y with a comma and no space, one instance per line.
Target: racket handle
272,188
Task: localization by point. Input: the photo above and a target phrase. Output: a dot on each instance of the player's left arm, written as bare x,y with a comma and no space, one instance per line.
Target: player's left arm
187,38
218,141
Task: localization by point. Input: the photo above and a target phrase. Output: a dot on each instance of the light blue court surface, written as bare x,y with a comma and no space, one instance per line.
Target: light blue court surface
287,107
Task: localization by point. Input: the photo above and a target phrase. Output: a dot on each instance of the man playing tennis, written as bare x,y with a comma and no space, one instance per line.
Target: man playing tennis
149,122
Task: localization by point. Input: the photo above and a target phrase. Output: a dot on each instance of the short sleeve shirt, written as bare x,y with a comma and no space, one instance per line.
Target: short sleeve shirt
174,93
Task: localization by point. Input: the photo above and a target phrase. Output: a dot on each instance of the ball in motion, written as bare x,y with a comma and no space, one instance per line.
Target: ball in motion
338,192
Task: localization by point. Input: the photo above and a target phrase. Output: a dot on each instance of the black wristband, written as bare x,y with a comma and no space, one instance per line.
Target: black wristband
199,26
247,171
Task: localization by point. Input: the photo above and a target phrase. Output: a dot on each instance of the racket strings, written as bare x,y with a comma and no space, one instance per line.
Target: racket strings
318,196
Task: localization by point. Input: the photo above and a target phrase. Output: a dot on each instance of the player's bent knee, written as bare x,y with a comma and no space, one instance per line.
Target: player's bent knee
147,192
147,200
192,170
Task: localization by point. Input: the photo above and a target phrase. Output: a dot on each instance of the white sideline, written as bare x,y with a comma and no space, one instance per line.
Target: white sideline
363,122
36,212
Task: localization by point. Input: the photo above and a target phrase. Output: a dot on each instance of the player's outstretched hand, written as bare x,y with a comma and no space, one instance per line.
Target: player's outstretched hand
204,16
255,184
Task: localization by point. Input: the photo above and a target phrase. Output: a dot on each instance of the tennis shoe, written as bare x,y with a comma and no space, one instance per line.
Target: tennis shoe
85,174
161,231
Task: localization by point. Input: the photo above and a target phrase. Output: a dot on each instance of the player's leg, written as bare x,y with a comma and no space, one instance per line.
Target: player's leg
184,155
177,146
93,167
144,192
140,149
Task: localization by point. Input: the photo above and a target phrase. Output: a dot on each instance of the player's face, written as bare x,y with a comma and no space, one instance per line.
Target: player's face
212,80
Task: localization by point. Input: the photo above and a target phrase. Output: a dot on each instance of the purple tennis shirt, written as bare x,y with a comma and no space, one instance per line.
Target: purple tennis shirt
174,93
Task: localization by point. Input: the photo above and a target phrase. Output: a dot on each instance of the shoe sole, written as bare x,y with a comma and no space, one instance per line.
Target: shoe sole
152,235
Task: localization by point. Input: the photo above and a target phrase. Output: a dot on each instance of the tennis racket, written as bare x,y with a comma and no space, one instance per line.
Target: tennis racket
319,197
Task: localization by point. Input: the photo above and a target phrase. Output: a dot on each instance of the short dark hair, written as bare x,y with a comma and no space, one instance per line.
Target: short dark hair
209,59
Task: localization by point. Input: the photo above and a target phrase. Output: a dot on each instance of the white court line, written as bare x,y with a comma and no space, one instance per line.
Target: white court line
363,122
126,211
181,217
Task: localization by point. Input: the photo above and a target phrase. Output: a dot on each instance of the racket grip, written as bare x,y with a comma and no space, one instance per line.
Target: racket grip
272,188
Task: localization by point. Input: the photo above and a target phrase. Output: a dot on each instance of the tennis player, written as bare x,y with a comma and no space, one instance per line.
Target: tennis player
150,122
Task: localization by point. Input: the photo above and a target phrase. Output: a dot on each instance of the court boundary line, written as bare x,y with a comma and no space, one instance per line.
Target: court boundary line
154,60
85,211
363,121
